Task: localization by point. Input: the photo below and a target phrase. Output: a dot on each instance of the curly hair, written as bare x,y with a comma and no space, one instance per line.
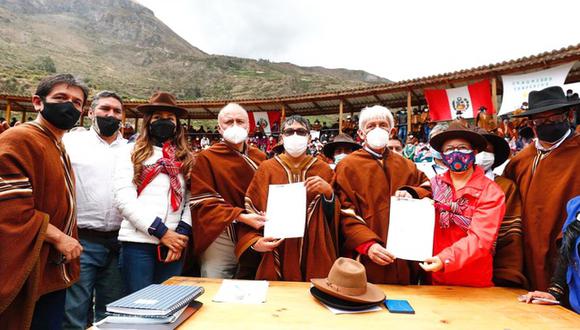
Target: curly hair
144,149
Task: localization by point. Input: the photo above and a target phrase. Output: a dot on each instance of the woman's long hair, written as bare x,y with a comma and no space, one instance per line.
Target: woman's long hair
144,149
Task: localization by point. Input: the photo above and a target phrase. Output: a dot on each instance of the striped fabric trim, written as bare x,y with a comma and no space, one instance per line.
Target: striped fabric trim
309,214
277,266
510,227
249,204
195,201
71,218
250,162
14,186
352,213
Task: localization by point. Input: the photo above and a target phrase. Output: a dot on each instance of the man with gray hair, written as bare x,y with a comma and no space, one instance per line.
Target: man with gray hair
219,180
93,156
365,181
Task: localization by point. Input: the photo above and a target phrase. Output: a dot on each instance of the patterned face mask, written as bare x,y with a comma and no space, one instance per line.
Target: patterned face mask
459,161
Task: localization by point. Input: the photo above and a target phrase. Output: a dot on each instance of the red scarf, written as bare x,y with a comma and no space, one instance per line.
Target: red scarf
449,209
166,165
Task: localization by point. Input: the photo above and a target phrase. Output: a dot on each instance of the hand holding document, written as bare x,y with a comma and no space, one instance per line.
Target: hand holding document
286,210
411,228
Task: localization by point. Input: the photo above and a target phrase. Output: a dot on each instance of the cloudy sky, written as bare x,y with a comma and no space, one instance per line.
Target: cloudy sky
396,40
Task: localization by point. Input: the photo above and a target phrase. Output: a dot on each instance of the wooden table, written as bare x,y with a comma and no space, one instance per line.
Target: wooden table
289,305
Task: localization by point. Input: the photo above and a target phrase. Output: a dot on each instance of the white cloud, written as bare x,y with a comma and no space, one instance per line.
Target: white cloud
397,40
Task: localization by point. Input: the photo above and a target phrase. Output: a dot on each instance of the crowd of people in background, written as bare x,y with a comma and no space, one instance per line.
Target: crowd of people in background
90,215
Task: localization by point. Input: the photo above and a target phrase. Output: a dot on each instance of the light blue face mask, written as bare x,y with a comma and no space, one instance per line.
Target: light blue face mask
435,153
339,157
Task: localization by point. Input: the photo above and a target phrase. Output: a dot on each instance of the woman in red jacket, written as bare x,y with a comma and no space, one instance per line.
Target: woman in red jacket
469,210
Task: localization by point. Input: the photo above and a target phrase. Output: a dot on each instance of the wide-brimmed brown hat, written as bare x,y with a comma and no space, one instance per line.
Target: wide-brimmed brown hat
341,140
347,280
547,99
162,101
457,130
501,148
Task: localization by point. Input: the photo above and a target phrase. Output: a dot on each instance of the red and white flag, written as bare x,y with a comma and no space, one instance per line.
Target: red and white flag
446,104
268,122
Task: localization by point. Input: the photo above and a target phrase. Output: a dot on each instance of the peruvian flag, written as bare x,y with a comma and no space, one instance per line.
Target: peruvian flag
446,104
267,121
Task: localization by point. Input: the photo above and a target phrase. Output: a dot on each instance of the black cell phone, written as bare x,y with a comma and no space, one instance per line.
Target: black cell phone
399,306
162,251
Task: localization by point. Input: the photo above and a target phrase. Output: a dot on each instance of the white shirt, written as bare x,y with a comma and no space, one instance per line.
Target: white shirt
93,161
139,211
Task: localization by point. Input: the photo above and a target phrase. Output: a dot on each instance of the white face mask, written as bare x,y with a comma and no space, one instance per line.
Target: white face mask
235,134
339,157
295,145
377,138
485,159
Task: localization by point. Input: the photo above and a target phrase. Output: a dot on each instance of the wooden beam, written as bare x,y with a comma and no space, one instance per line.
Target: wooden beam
8,111
136,124
210,112
378,99
283,113
409,113
317,106
340,111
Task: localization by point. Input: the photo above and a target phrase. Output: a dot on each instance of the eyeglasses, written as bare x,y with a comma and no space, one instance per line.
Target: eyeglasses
298,131
461,148
559,117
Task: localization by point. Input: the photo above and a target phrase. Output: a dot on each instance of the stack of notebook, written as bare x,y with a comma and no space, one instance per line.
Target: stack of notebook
156,304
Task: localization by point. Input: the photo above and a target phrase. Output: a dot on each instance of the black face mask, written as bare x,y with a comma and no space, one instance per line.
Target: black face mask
552,132
162,130
107,126
62,115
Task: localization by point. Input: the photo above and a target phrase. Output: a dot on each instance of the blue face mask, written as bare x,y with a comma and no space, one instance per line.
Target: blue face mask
435,153
339,157
458,161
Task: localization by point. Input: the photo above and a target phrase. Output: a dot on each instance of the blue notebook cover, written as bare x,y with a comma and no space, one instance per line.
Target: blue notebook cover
156,300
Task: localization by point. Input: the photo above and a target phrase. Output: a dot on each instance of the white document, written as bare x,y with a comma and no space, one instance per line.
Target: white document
411,228
286,210
242,292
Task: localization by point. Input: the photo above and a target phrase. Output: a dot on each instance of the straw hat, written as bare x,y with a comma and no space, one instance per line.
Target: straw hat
347,280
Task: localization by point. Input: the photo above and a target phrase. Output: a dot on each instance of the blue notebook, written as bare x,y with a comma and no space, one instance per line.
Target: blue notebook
156,300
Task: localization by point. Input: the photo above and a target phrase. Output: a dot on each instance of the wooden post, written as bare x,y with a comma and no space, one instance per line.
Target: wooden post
409,113
8,111
123,123
494,95
23,117
188,122
136,124
283,115
82,122
340,111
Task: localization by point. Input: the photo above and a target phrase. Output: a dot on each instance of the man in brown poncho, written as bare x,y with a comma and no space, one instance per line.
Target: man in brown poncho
365,182
508,259
293,259
39,249
546,173
219,180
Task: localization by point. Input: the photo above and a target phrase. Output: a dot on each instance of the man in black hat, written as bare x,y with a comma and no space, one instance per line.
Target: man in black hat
546,174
